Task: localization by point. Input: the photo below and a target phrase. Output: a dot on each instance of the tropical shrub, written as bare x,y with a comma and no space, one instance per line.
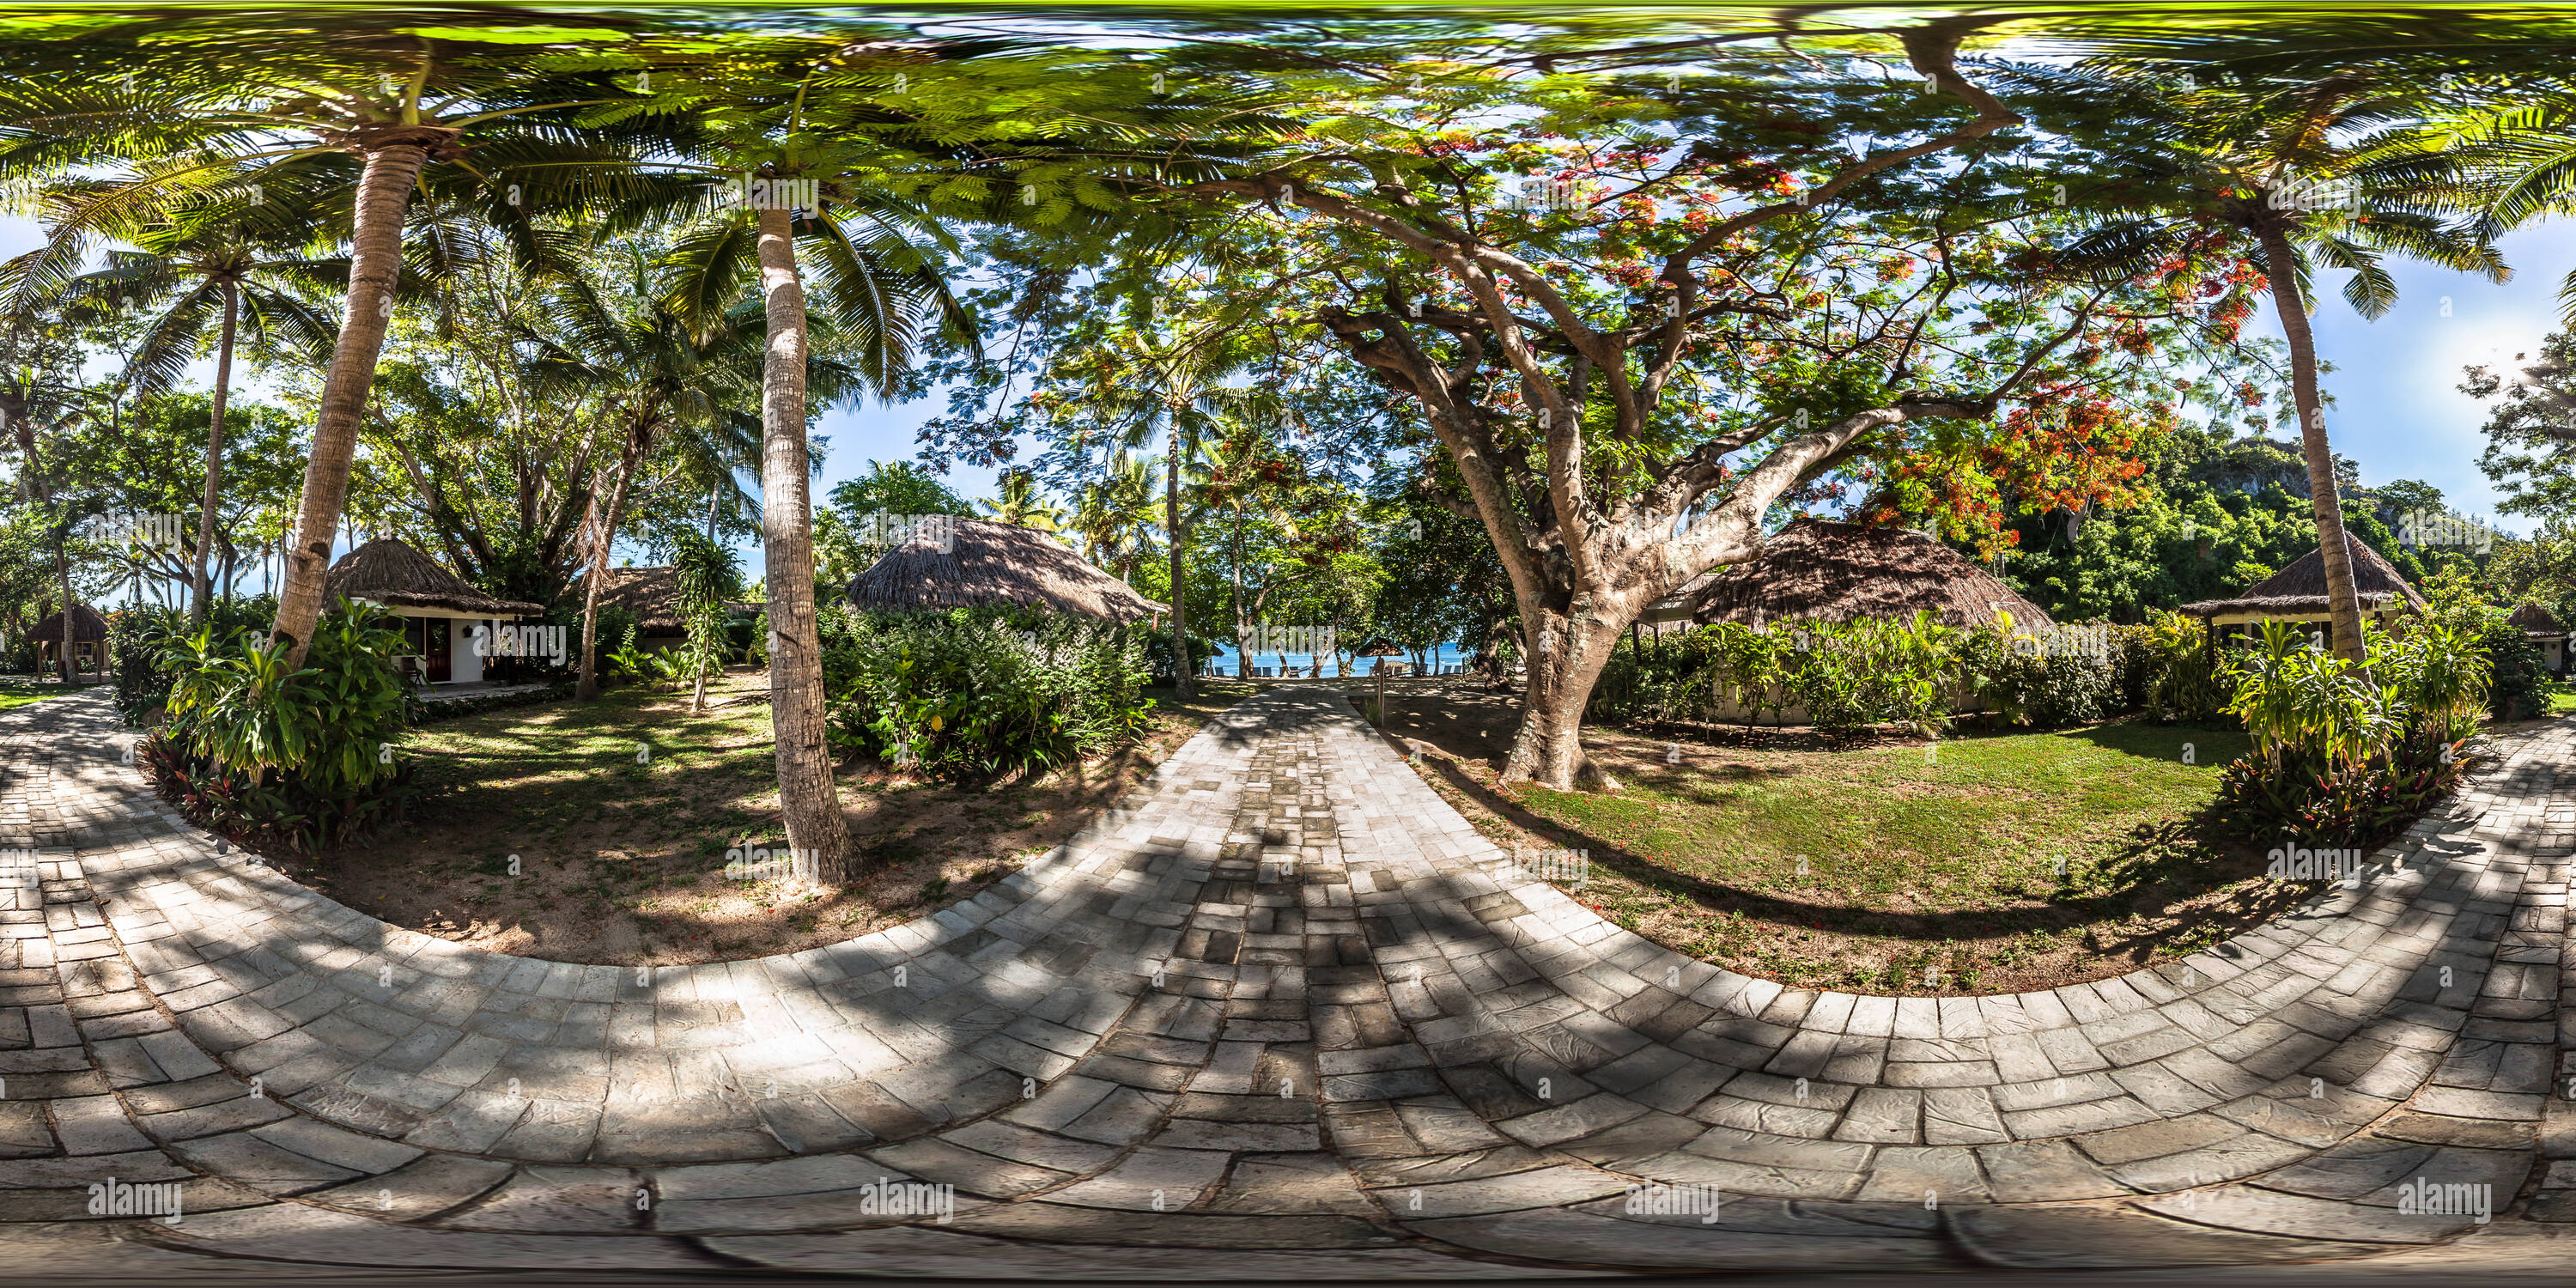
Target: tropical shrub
708,576
138,641
303,756
972,694
2167,671
1852,675
1855,675
2345,755
2518,681
140,644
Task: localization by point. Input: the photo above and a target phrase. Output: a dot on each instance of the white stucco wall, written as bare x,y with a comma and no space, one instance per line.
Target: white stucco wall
463,664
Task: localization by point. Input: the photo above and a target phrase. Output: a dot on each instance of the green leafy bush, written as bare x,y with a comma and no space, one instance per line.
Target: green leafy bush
2166,670
303,756
140,643
2518,682
1860,674
2342,755
974,694
138,640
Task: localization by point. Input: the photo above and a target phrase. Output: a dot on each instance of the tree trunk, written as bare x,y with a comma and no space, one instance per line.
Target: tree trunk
375,259
63,577
807,797
2342,600
1238,593
1172,525
587,688
215,452
1564,656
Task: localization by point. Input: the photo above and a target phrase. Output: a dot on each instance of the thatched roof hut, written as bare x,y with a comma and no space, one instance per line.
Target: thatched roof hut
2298,593
2537,622
399,577
1819,570
651,594
87,627
994,563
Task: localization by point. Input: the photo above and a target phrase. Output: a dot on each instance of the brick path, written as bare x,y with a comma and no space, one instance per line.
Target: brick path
1287,1005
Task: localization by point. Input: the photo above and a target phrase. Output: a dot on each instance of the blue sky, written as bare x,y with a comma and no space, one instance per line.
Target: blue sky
2397,409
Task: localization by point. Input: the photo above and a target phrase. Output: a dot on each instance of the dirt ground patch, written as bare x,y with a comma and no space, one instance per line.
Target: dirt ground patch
542,832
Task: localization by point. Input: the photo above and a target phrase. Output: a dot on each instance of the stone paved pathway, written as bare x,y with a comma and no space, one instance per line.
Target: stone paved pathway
1285,1015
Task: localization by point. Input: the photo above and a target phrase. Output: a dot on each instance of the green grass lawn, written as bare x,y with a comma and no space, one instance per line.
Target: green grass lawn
19,690
1978,863
2562,699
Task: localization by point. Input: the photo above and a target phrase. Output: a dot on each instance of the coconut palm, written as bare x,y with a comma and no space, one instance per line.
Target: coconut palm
2292,168
236,268
1166,386
801,121
1022,506
191,109
1115,514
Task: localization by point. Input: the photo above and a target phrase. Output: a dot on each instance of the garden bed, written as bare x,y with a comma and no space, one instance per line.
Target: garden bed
1876,867
622,863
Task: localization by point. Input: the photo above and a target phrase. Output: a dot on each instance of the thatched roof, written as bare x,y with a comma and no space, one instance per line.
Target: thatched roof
2300,589
87,626
995,563
393,574
652,594
2536,620
1824,571
1379,646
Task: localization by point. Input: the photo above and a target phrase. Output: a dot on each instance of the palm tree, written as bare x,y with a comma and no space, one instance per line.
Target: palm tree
800,123
1166,387
1021,505
228,263
225,108
1246,468
1114,514
659,370
2297,167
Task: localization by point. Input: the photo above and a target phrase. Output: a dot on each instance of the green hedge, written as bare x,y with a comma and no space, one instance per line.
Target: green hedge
975,694
1864,673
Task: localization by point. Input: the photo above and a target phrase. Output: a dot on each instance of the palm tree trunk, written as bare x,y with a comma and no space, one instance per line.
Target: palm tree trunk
1172,525
1243,672
2335,548
375,258
587,688
63,578
215,450
807,797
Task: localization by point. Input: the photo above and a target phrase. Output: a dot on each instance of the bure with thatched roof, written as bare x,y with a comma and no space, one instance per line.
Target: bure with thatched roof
1820,570
392,573
2298,593
994,563
89,639
2542,628
439,609
87,627
652,595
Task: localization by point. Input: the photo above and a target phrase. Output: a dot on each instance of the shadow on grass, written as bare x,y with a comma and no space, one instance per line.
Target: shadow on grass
2154,865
